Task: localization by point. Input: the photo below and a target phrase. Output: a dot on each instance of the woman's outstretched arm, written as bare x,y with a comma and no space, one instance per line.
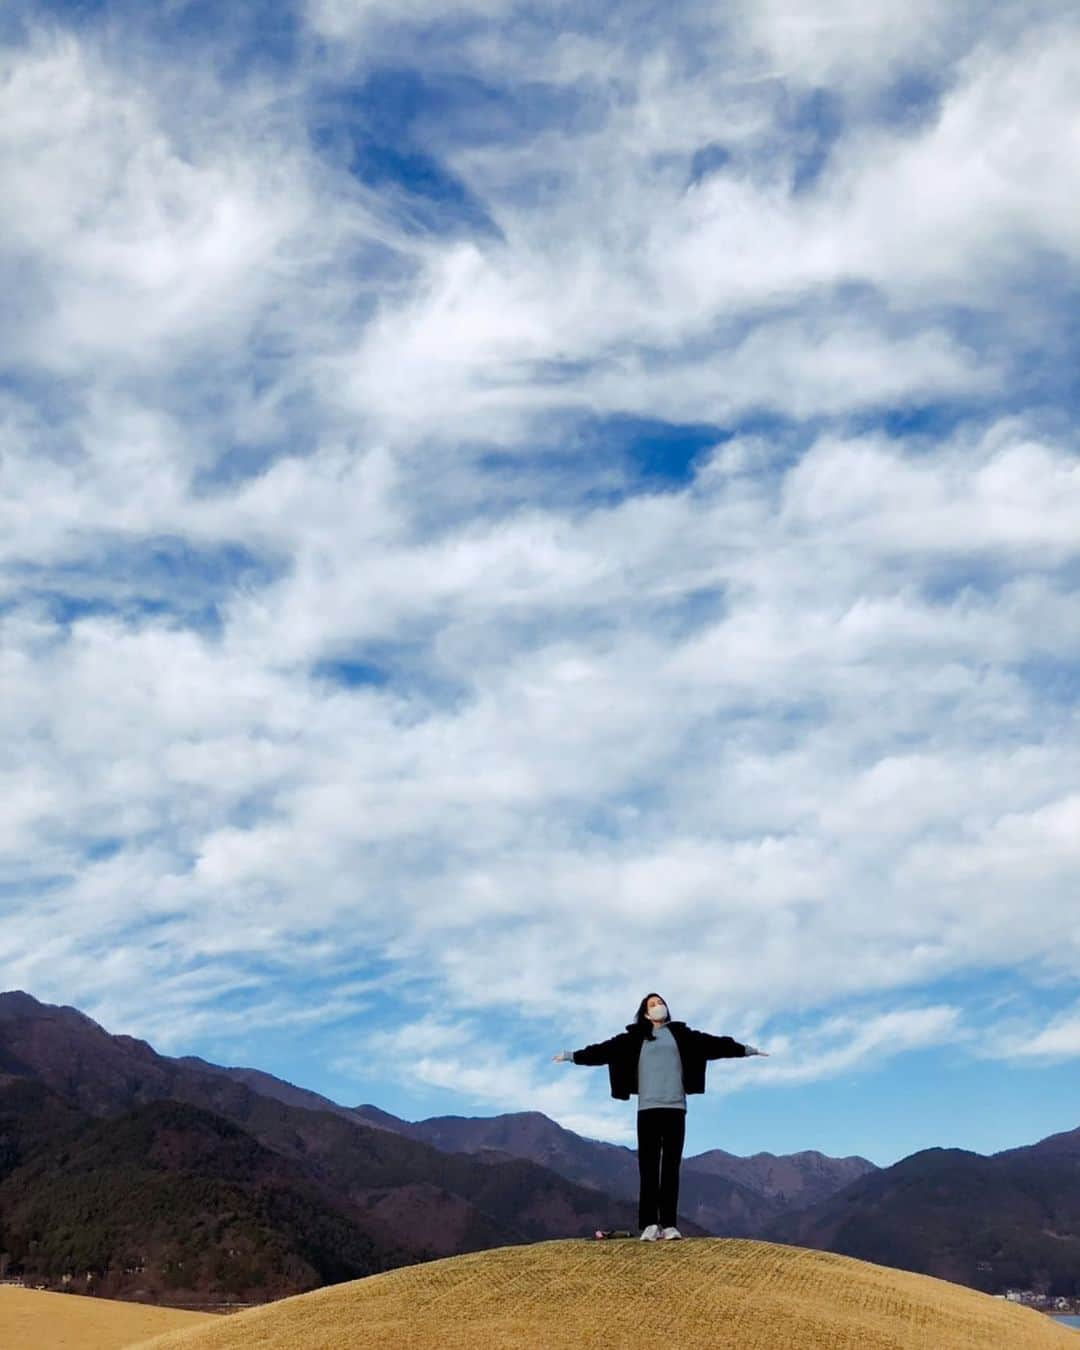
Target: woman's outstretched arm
724,1047
600,1053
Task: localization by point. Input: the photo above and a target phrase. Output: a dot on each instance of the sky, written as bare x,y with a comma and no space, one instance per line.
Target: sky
506,508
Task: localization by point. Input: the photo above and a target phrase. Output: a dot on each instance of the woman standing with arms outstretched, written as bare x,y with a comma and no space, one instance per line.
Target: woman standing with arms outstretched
662,1061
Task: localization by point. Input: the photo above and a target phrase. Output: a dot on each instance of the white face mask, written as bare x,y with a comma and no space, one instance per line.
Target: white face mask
657,1013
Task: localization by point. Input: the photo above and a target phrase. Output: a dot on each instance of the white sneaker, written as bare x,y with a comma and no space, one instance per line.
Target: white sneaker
651,1233
671,1233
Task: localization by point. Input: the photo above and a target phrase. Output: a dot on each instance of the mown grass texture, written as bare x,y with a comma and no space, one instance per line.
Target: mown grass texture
621,1295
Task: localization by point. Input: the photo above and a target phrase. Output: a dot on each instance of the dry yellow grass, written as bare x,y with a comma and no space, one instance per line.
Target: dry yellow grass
621,1295
31,1319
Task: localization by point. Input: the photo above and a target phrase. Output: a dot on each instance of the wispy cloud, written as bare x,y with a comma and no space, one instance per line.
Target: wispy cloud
846,1044
1026,1037
458,1057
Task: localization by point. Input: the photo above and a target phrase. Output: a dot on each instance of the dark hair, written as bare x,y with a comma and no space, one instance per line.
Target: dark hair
642,1020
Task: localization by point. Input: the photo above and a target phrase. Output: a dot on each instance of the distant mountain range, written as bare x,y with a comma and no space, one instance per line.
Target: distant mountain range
1011,1219
65,1083
179,1179
722,1193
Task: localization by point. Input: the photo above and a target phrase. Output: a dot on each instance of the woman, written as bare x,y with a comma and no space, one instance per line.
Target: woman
662,1061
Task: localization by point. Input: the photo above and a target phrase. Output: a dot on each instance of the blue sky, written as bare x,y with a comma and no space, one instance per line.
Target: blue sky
502,511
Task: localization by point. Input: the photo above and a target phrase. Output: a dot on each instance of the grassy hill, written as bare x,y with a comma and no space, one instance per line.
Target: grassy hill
741,1294
32,1320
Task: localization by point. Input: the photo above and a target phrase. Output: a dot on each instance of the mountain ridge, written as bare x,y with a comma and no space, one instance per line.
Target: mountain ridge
452,1184
414,1201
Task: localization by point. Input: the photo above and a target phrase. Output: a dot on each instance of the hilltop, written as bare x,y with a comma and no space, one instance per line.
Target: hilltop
736,1293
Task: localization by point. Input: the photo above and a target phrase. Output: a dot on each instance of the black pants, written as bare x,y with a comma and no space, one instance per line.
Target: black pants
661,1131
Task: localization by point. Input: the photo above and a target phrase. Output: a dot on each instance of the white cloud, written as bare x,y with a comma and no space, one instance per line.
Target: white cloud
1020,1038
968,204
130,243
848,41
843,1045
456,1057
1007,495
677,298
428,821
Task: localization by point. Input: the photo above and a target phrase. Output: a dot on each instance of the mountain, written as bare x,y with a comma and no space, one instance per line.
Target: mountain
165,1201
410,1190
413,1200
793,1180
266,1085
381,1120
722,1193
1010,1219
717,1204
104,1073
1064,1145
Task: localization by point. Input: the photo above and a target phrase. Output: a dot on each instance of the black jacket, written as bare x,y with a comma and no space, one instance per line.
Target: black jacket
621,1055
